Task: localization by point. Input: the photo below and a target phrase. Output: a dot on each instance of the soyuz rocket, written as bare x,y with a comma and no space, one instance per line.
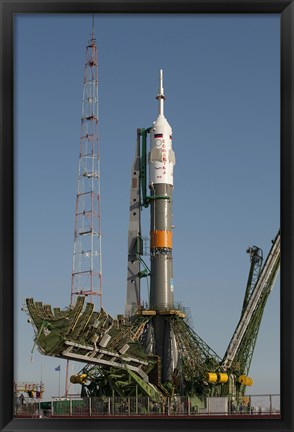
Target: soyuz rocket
159,338
161,165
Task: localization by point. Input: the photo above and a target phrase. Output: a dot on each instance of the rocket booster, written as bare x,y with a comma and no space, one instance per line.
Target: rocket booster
161,164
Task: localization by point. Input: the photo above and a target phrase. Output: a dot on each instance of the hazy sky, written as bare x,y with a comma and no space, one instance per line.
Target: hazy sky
221,80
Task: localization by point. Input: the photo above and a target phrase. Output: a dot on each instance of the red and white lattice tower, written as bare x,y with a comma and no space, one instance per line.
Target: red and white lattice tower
87,257
87,263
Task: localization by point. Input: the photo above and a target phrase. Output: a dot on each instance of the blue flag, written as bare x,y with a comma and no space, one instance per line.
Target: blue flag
57,368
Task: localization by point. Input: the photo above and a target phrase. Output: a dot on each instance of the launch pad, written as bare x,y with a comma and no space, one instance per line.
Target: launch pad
152,351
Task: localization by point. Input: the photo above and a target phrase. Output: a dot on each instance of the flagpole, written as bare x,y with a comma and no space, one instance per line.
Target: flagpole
59,383
58,368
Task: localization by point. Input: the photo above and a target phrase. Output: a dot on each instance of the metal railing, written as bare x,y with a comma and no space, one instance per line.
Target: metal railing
143,406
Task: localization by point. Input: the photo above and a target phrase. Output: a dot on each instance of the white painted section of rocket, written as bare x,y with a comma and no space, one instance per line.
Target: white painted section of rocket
162,157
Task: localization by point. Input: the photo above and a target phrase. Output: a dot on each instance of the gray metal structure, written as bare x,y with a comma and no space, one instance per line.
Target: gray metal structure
134,238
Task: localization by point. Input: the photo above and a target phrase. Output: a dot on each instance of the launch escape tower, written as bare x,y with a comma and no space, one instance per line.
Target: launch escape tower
86,277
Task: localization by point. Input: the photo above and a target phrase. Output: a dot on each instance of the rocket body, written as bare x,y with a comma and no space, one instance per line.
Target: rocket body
161,164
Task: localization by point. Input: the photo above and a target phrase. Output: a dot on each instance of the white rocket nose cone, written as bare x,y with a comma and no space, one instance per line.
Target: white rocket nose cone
162,157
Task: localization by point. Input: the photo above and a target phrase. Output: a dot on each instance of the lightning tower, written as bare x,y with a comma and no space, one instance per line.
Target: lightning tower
86,268
86,277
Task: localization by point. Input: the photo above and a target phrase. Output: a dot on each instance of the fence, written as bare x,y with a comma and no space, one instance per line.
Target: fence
144,406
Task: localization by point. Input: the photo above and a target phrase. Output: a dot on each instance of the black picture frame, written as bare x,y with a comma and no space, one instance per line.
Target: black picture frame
11,7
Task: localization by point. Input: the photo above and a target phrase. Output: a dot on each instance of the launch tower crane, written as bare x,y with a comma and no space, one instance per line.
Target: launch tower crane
261,280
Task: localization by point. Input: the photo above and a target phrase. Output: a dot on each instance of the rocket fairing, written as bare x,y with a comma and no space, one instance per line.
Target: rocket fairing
162,156
161,164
